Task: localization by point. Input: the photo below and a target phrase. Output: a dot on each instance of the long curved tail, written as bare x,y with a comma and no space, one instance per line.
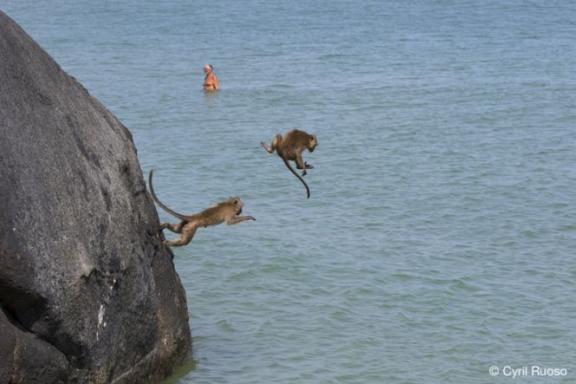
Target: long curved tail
298,176
161,204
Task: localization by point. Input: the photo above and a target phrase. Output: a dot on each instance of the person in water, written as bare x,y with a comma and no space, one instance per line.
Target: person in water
211,82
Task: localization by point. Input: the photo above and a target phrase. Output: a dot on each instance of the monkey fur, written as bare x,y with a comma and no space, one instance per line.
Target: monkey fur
227,211
290,147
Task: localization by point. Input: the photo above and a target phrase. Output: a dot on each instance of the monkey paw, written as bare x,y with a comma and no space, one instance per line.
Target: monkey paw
308,166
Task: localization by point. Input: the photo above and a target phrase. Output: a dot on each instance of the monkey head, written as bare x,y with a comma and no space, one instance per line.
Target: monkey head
312,143
237,204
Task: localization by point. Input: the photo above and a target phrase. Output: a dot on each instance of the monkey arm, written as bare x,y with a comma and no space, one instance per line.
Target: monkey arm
239,219
300,164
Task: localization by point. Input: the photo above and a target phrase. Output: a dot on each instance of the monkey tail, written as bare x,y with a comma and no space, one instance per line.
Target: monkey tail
161,204
298,176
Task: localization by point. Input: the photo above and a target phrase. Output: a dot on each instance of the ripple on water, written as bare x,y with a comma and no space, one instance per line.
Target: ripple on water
439,234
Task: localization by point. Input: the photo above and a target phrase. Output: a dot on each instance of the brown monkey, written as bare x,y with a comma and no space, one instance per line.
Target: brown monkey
290,147
225,211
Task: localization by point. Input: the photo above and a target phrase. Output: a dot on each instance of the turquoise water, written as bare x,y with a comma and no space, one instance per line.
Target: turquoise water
440,236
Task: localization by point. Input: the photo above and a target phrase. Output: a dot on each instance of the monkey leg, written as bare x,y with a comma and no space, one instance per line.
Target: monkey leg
176,228
239,219
267,147
185,238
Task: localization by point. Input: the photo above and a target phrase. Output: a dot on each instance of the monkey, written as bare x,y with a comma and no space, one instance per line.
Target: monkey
227,211
290,147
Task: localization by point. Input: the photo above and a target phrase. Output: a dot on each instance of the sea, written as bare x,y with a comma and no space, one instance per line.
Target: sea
439,241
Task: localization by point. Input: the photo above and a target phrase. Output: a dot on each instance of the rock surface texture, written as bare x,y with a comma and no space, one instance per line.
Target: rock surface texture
88,294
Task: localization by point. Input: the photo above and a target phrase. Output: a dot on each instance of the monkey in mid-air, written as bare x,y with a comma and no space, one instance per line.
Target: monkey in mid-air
225,211
290,147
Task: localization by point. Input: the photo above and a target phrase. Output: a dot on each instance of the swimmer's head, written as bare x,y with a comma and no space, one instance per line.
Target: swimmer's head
208,68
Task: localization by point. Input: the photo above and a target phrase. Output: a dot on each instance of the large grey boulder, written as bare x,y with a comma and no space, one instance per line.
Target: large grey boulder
88,294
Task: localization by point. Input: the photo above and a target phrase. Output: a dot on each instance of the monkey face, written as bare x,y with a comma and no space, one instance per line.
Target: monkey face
312,143
238,204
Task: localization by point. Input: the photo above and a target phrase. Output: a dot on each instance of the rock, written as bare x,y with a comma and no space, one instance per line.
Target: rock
88,293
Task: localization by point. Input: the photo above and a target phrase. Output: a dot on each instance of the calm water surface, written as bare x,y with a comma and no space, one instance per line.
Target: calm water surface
440,236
